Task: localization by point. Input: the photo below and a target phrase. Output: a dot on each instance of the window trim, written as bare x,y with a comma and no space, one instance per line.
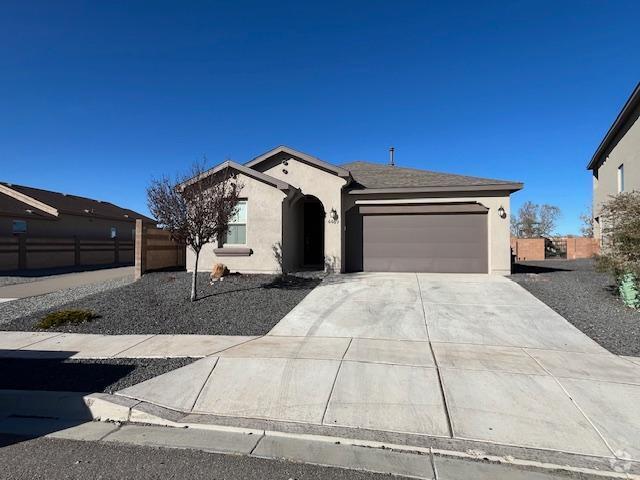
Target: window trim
13,227
246,230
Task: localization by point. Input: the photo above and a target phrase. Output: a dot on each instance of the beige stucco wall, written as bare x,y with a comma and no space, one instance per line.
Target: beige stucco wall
497,228
264,231
627,152
325,186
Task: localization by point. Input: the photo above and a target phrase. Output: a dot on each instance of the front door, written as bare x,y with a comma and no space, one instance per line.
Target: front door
313,234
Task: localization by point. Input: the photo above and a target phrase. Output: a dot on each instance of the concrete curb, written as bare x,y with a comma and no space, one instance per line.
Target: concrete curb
330,446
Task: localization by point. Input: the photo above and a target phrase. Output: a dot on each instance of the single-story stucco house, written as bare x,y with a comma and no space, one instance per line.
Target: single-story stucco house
299,212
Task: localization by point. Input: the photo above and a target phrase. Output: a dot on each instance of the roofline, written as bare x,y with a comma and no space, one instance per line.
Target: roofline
510,187
339,171
249,172
627,110
28,200
55,212
30,216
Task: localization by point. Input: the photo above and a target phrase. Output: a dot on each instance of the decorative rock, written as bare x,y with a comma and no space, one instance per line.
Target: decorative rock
219,271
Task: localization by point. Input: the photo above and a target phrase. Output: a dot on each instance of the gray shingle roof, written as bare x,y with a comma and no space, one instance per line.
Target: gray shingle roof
375,175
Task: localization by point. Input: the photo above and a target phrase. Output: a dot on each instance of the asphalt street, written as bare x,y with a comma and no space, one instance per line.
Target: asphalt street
53,459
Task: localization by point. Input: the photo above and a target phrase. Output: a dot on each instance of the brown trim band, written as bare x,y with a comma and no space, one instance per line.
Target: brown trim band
232,252
498,187
421,209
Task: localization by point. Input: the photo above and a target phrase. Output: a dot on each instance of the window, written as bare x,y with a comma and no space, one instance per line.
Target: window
621,178
19,226
114,232
237,233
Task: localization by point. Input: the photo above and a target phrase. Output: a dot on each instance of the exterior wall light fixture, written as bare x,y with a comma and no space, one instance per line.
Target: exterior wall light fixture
333,215
501,212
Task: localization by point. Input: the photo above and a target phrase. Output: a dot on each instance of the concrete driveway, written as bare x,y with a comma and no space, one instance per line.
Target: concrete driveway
471,357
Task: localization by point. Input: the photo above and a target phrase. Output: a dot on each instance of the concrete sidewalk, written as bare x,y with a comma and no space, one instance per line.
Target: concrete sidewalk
414,359
463,357
62,282
44,345
178,447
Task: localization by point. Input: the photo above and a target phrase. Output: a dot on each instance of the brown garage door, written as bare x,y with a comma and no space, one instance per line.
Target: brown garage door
428,242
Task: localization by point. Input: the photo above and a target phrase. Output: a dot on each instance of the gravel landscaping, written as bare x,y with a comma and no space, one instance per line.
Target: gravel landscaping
159,304
71,375
585,298
51,301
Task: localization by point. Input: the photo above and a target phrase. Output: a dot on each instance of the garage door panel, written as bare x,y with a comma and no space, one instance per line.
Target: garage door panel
431,250
389,236
425,243
436,265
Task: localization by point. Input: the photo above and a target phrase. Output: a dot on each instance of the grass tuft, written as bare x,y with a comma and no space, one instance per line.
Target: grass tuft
64,317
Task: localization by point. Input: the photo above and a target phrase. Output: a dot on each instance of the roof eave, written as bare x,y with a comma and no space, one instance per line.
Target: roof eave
339,171
625,113
505,187
263,177
130,218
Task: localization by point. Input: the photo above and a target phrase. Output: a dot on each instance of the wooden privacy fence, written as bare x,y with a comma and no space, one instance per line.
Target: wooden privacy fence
156,250
23,252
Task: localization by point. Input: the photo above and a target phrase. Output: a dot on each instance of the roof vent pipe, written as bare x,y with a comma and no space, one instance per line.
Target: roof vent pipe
391,161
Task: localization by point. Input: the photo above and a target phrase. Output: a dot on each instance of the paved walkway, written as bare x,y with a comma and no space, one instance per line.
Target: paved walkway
468,357
465,357
61,282
43,345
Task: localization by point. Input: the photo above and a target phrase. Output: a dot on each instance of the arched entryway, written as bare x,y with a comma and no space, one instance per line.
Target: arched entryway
310,238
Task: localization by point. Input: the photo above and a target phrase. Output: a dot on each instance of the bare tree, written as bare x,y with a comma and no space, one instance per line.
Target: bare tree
196,208
586,217
535,220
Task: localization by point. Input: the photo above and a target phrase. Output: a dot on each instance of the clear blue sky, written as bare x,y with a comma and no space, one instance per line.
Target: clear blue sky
96,98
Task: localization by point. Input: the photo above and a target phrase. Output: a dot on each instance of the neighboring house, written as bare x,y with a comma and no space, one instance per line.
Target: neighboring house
616,163
300,212
41,213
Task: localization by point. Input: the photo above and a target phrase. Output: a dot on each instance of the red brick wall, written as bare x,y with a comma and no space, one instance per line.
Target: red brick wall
533,248
528,248
582,248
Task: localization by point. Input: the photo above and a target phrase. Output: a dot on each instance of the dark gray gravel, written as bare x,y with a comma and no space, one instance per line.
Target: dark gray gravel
159,303
71,375
585,298
51,301
53,459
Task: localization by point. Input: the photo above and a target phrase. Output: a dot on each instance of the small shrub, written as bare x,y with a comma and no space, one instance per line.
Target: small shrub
64,317
620,220
629,290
